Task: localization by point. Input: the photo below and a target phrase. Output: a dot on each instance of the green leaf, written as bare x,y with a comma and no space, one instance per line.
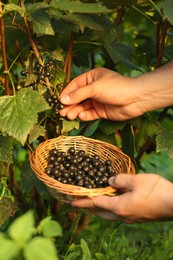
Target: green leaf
128,146
79,7
59,77
68,125
58,55
40,248
29,180
30,79
50,228
15,8
9,248
120,52
164,141
91,128
147,127
40,18
20,112
100,256
86,254
83,21
22,228
35,132
110,127
6,148
167,6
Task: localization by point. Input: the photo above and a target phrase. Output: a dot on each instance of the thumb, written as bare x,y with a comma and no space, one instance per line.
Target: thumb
122,182
76,96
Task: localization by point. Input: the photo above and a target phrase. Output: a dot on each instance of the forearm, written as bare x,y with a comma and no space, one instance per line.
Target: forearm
156,88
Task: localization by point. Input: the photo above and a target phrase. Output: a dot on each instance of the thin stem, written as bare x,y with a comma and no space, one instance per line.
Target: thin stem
162,43
3,50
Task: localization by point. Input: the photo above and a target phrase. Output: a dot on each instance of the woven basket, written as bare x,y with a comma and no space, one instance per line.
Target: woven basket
38,160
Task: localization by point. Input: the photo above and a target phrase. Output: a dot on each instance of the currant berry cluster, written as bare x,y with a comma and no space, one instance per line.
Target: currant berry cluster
79,168
54,102
42,72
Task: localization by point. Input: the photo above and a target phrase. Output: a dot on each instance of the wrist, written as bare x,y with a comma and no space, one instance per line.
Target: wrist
155,89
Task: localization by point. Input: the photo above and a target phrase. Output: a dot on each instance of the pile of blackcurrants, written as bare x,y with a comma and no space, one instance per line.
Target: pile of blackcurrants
78,168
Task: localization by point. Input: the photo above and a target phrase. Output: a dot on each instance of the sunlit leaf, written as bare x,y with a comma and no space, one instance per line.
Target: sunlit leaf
50,228
6,149
86,254
9,248
40,18
68,125
36,131
79,7
164,141
40,248
13,7
19,113
22,228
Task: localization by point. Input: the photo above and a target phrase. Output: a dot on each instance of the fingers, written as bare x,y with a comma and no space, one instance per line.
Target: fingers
123,182
105,214
74,111
78,89
102,202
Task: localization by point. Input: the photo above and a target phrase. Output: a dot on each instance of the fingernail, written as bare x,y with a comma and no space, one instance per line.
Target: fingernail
111,180
65,98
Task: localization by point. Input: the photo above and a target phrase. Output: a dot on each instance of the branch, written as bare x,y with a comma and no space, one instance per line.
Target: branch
35,50
68,60
3,50
162,43
121,12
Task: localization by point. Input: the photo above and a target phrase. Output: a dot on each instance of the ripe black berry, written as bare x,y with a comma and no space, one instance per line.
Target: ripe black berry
78,168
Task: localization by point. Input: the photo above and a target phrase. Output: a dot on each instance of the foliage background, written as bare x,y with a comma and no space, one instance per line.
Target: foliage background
131,37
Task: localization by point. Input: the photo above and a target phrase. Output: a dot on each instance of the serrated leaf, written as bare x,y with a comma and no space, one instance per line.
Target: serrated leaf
164,141
58,55
13,7
120,52
68,125
50,228
110,127
30,79
40,18
83,21
22,228
147,128
19,113
79,7
40,248
6,148
36,131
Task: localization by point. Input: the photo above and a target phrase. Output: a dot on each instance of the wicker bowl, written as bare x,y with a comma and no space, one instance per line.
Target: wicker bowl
38,161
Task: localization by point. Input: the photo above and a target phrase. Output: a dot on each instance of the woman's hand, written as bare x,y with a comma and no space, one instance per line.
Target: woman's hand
102,93
144,197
